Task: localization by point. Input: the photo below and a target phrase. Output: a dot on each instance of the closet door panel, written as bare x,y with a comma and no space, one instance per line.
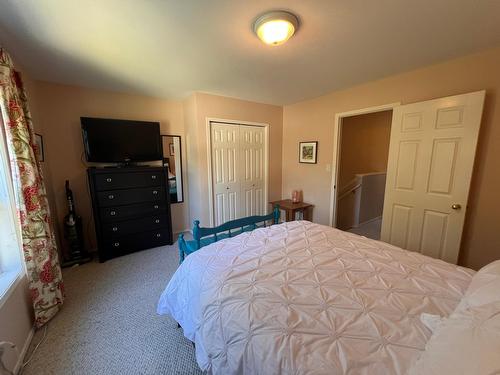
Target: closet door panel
225,172
252,169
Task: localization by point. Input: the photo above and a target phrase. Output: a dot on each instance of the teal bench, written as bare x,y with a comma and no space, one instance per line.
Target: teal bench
206,236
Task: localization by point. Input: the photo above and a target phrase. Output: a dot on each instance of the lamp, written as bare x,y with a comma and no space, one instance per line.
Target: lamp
276,27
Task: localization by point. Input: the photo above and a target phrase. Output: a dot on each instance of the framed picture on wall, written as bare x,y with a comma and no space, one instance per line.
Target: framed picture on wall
308,152
39,147
171,149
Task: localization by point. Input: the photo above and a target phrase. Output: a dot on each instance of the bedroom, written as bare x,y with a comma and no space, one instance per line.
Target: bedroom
194,68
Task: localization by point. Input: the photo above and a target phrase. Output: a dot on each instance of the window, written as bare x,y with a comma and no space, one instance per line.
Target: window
10,231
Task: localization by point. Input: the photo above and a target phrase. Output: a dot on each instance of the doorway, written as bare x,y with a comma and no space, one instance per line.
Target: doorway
361,172
429,169
337,136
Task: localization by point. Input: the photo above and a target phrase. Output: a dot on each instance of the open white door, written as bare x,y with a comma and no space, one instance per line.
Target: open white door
431,156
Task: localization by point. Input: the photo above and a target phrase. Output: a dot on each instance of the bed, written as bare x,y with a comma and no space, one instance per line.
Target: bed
303,298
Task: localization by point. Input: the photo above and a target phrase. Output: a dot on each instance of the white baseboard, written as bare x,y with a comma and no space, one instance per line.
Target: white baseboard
24,350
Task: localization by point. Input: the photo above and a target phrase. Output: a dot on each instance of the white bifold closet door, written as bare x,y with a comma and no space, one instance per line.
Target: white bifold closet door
238,153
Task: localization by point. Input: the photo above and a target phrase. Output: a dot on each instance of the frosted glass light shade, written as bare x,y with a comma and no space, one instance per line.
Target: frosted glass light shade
275,28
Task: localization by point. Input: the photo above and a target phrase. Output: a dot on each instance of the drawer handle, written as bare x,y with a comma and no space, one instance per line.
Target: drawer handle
111,196
116,244
108,179
153,177
112,213
155,192
158,235
115,229
157,221
155,206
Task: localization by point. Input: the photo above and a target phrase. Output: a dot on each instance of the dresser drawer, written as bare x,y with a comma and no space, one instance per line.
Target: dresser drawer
114,213
130,243
112,181
131,196
119,228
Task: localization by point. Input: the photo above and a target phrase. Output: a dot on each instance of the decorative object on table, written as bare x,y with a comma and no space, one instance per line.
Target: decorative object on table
171,149
308,152
296,196
73,233
290,208
39,147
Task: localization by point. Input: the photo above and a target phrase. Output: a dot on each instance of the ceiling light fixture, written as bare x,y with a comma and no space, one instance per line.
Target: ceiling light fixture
276,27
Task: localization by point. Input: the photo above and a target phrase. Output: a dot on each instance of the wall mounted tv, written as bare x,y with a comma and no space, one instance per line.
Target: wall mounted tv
121,141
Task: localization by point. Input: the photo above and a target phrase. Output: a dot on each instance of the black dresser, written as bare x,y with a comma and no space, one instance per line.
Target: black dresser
131,209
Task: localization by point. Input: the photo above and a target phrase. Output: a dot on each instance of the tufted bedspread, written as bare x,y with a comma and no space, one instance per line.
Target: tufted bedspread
303,298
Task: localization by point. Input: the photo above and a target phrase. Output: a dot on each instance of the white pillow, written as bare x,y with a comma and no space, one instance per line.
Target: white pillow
468,342
484,287
431,321
493,268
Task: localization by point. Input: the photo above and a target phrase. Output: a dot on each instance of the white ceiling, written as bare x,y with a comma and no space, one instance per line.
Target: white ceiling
170,48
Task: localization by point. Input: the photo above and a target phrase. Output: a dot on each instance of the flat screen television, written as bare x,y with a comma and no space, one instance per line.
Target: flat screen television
121,141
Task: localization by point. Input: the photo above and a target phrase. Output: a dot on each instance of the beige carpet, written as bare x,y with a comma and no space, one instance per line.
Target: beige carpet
109,325
371,229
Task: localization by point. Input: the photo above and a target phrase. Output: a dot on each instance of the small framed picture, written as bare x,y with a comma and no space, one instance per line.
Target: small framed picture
39,147
171,149
308,152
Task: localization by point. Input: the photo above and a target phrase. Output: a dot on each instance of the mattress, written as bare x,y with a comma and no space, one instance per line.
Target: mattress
303,298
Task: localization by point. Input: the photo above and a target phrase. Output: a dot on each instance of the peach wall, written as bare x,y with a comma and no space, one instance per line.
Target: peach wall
56,111
16,321
364,145
59,108
313,120
202,106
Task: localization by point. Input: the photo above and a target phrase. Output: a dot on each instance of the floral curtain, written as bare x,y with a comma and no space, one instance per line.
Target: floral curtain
39,245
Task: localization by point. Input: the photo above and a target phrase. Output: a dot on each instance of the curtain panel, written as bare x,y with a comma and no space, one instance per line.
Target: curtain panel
39,244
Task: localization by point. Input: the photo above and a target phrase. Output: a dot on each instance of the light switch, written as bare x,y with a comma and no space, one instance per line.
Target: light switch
328,167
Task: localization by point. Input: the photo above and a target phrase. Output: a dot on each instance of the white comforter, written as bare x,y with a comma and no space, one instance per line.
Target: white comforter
302,298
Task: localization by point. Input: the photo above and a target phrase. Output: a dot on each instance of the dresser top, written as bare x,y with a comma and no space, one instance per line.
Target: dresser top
107,170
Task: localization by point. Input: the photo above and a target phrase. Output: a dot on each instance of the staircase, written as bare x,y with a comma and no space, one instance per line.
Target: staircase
361,200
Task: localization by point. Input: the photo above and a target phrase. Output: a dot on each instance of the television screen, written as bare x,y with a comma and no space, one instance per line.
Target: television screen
121,141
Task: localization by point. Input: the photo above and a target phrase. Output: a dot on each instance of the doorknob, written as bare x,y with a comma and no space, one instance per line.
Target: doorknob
456,206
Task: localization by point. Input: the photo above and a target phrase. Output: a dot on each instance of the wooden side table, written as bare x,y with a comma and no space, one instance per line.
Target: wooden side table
291,208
